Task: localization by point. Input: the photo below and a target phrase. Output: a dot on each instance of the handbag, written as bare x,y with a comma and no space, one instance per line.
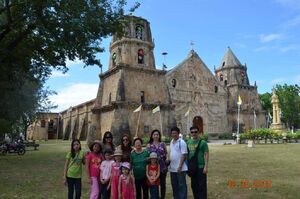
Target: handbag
193,162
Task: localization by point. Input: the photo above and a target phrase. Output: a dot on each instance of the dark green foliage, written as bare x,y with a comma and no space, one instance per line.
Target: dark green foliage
265,100
225,136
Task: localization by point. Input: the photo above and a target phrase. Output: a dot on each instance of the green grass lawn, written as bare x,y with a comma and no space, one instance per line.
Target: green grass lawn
38,174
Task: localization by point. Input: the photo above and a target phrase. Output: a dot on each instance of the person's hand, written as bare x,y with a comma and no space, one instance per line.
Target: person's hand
65,181
205,170
179,169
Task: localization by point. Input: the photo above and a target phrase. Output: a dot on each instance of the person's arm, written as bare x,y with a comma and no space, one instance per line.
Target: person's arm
205,169
87,166
158,173
183,157
65,171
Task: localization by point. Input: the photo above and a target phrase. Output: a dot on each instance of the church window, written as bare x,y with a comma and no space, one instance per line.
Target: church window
221,77
225,82
174,83
43,123
139,32
223,64
142,96
140,56
216,89
114,57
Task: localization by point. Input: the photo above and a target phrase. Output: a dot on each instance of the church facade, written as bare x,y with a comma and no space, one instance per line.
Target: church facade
188,94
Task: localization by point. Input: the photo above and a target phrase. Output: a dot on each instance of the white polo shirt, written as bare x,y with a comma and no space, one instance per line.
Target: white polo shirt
177,149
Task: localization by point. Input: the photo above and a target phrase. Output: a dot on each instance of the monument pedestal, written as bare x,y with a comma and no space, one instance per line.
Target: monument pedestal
278,127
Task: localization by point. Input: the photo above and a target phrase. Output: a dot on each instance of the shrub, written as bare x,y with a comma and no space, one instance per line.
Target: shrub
225,136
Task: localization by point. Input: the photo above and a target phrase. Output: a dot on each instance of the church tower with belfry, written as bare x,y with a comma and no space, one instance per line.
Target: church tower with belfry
234,78
131,81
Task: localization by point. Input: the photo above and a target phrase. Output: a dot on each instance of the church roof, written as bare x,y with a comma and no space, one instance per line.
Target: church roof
192,54
229,60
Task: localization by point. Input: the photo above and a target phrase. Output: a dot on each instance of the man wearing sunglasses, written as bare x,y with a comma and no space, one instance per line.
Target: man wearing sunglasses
198,181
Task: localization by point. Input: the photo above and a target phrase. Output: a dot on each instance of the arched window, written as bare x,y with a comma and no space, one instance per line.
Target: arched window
225,82
139,32
140,56
114,57
223,64
174,83
216,89
43,123
221,77
142,96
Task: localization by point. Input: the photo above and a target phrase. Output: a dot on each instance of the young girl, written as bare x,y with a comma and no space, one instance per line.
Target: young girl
153,172
126,183
115,174
73,169
105,171
93,162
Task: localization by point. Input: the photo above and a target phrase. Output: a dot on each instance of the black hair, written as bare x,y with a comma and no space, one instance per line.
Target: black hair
73,153
109,151
124,148
137,139
151,136
194,127
92,146
175,128
106,134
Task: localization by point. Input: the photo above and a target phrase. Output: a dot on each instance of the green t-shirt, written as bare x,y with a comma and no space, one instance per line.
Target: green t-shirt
139,163
192,144
75,165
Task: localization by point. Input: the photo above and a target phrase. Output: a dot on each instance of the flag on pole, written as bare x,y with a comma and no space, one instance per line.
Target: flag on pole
138,109
254,114
156,109
187,113
239,100
270,116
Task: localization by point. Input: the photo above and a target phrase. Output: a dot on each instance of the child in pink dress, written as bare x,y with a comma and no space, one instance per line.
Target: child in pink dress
93,162
105,171
126,183
115,174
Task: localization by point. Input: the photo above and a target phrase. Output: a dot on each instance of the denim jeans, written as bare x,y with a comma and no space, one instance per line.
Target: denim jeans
139,185
178,183
199,185
104,192
74,183
154,192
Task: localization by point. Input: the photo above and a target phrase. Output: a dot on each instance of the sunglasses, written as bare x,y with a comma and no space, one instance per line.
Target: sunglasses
194,132
125,139
107,137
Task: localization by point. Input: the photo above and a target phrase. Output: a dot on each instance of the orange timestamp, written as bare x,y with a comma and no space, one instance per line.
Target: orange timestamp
244,184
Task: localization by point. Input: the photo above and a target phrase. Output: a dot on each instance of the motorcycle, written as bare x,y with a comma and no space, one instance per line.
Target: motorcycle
14,147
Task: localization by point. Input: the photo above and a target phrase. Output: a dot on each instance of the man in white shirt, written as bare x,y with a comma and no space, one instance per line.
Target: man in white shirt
178,167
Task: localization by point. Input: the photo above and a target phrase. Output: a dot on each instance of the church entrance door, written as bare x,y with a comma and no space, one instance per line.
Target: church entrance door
197,121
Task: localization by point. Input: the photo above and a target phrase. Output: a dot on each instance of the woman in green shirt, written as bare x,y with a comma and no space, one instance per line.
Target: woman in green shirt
73,169
139,158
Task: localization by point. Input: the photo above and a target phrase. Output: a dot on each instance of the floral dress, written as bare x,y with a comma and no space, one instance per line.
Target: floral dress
115,174
126,187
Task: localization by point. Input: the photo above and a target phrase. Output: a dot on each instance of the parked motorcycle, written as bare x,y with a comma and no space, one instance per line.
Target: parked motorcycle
14,147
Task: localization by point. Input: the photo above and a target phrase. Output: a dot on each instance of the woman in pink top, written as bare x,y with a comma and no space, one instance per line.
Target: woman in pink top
115,174
105,171
126,183
93,162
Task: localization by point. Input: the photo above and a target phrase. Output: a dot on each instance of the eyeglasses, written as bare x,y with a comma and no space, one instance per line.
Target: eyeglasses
194,132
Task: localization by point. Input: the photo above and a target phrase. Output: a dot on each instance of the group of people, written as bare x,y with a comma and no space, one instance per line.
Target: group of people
128,172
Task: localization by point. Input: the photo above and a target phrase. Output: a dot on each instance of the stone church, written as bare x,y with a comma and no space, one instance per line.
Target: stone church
188,94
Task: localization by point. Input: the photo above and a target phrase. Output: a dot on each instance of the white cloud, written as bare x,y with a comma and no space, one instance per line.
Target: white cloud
270,37
58,74
74,62
289,47
295,4
278,80
73,95
297,79
294,22
261,49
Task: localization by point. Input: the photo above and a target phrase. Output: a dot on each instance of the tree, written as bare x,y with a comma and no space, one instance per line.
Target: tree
38,36
266,101
289,103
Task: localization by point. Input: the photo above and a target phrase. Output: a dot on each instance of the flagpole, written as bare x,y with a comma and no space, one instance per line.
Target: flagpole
254,118
161,129
137,127
238,127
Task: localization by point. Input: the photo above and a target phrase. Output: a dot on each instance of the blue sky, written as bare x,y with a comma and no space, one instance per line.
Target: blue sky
264,34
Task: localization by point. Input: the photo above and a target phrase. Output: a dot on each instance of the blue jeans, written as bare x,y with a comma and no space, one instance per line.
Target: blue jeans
154,192
74,182
178,183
